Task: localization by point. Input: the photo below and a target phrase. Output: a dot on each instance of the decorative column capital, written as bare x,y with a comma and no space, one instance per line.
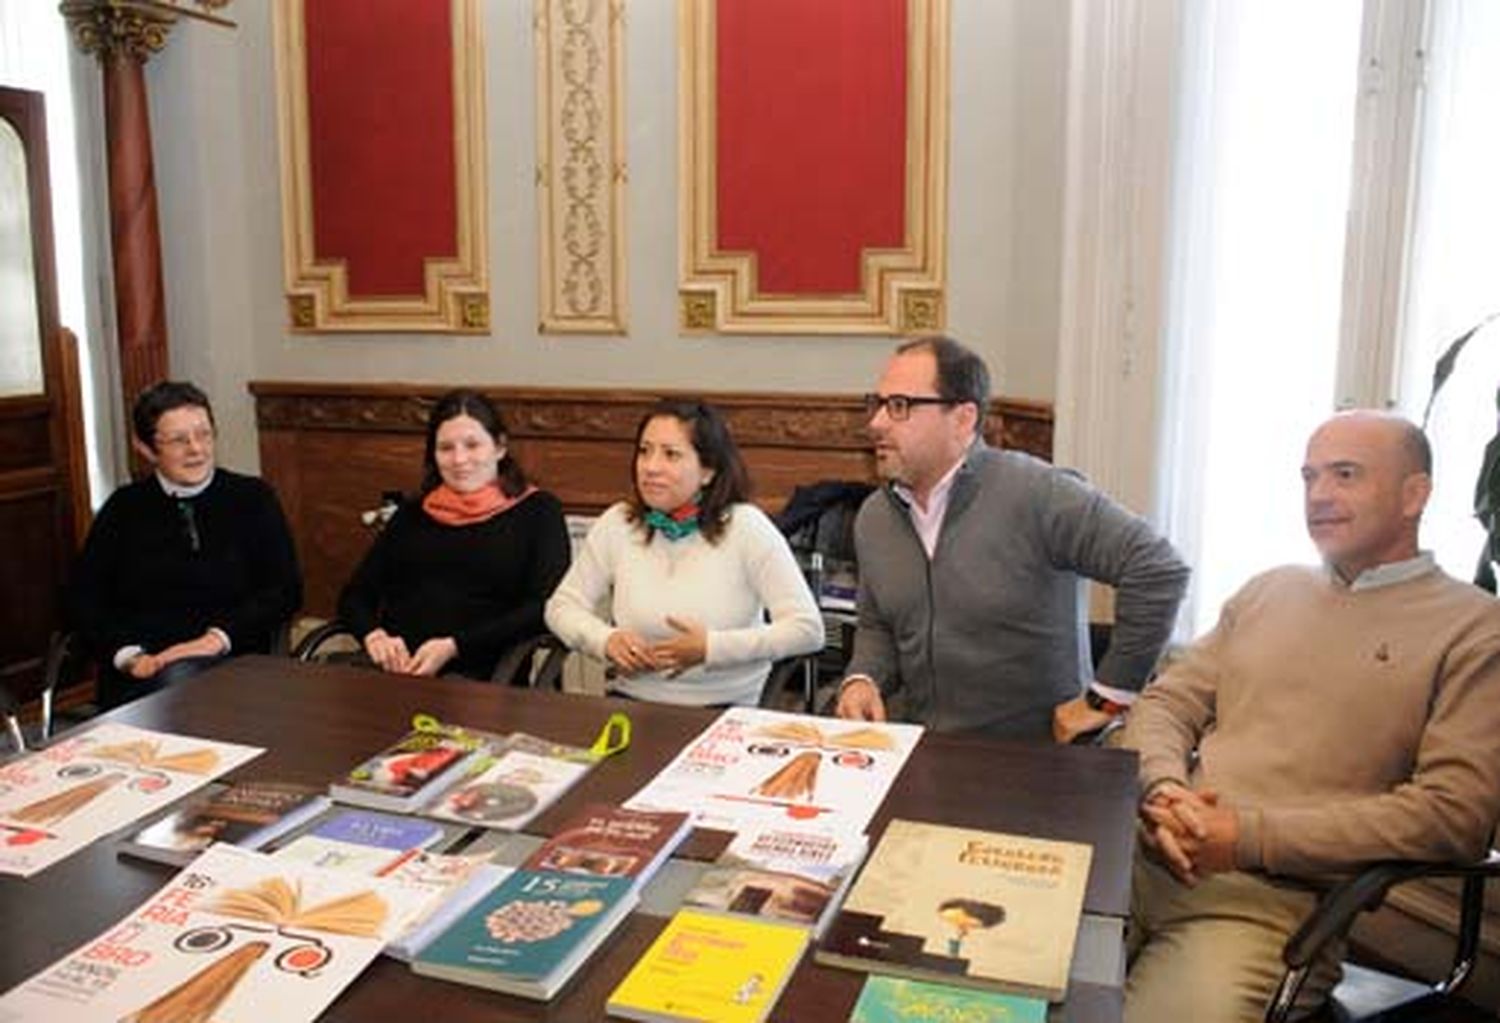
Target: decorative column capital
106,28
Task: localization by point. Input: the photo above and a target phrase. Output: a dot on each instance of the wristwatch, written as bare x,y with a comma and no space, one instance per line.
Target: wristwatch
1098,701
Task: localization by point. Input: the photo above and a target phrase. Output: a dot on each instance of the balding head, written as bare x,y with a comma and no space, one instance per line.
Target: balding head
1367,477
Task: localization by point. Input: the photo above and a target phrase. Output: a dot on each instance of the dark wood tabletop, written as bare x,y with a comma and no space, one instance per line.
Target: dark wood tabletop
316,721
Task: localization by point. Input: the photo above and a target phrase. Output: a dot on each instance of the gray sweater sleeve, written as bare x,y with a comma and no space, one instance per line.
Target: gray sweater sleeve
1090,534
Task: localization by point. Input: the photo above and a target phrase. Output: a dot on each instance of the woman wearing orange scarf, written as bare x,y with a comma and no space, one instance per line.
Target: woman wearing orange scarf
460,575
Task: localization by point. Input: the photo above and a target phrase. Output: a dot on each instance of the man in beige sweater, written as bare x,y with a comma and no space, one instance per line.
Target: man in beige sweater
1334,716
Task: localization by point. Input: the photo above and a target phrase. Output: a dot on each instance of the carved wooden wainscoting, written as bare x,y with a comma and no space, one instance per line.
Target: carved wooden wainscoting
330,450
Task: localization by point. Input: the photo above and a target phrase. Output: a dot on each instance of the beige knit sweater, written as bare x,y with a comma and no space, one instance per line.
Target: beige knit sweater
1344,725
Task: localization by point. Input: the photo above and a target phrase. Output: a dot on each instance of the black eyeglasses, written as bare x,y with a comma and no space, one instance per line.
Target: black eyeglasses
899,406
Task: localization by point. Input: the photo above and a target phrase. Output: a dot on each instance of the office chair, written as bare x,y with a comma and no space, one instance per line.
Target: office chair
1335,914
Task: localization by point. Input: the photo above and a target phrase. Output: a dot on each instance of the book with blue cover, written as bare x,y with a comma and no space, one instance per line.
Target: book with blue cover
362,841
529,935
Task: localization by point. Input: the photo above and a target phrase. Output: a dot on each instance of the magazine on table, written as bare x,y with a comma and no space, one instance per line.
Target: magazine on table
58,800
250,814
762,766
509,786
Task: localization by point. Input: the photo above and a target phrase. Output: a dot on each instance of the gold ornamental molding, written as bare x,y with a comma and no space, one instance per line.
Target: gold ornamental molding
133,28
580,174
455,291
902,290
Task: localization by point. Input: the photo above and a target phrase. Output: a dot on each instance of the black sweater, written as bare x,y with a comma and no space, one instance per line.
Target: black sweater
482,584
141,580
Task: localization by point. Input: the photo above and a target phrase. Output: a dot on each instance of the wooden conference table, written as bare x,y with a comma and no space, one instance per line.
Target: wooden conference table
316,721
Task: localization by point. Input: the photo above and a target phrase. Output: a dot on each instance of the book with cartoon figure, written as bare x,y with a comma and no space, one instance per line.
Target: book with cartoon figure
704,966
250,814
57,800
965,907
236,937
529,935
762,766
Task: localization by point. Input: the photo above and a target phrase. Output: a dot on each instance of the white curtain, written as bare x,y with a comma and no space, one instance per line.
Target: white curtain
1261,187
36,54
1454,276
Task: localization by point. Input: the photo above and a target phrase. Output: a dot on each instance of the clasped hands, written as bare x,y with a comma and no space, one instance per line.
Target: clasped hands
390,654
1189,832
632,654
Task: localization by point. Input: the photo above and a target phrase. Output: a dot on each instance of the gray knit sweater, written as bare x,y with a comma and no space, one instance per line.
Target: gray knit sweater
989,633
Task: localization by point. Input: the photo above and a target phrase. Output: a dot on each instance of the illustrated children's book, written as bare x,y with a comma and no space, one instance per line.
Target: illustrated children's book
362,841
249,815
761,766
236,937
965,907
895,1000
704,966
781,873
402,777
510,787
610,841
451,884
57,800
528,936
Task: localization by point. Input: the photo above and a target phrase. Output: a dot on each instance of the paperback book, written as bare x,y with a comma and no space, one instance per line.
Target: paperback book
965,907
57,800
361,841
753,766
896,1000
509,788
704,966
449,886
403,777
610,841
236,937
781,873
531,934
249,814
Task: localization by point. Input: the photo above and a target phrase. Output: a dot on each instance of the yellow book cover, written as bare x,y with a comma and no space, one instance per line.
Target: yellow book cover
959,906
704,966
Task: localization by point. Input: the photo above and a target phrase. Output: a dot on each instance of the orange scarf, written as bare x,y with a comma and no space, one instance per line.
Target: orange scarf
451,508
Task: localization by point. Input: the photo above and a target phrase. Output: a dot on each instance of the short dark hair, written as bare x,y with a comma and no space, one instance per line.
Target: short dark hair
709,434
161,398
464,402
962,376
1415,447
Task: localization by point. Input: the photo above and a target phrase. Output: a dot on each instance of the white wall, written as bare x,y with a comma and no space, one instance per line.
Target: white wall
214,124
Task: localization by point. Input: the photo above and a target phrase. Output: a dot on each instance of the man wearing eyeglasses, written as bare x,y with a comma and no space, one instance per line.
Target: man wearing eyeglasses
185,567
971,569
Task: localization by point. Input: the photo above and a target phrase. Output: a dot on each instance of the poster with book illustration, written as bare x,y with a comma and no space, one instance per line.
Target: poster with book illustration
236,937
760,766
57,800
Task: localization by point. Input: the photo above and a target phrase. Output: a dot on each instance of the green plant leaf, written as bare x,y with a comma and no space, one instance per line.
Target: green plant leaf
1443,368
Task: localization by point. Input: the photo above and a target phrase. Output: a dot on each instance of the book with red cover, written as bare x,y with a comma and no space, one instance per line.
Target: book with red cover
610,841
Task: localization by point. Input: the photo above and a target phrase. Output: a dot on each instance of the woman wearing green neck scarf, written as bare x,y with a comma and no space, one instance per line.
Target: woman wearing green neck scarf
688,570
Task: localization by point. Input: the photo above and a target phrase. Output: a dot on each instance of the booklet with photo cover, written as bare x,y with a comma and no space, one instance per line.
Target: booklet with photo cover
704,966
610,841
236,937
402,777
531,934
249,814
966,907
56,801
762,766
781,873
509,787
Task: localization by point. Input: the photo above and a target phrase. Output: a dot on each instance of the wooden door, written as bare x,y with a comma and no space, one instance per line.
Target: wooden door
42,482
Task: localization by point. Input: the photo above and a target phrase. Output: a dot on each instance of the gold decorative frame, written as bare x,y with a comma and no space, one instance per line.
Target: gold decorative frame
580,174
455,296
903,289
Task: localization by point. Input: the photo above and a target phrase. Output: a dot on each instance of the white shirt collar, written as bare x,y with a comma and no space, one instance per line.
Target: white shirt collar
179,491
1389,574
929,521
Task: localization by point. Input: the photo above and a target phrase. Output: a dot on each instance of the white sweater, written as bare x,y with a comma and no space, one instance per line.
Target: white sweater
726,586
